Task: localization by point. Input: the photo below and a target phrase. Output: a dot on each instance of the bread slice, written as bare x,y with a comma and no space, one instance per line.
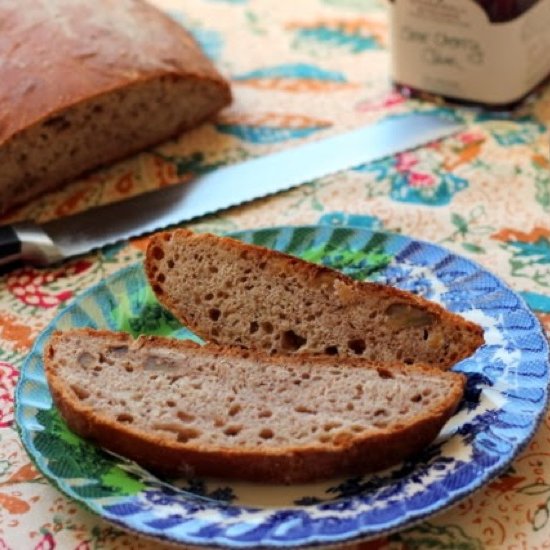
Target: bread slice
233,293
182,409
86,83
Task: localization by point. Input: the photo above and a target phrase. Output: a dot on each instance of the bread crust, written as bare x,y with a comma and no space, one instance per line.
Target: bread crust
310,274
65,52
376,449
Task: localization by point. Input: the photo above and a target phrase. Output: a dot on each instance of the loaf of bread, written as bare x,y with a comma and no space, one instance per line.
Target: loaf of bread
181,409
233,293
83,83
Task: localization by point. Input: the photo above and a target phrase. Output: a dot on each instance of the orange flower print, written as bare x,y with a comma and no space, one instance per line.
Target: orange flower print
19,335
13,504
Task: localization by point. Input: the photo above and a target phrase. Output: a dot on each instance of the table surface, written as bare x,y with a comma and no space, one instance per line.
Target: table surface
318,67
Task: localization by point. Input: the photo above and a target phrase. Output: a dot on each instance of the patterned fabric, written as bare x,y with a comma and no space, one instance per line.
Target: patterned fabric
300,71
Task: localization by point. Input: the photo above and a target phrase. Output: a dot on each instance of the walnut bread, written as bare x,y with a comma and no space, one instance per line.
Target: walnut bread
181,409
84,83
231,293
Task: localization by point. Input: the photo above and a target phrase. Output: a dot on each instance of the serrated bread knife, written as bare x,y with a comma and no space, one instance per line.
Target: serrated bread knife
218,190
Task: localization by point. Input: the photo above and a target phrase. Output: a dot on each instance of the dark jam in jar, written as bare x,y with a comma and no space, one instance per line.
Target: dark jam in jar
501,11
485,52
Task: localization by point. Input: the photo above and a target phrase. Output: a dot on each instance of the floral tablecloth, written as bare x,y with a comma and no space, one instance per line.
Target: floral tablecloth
301,71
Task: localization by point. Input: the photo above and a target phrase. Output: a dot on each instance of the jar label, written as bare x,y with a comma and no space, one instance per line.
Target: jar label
450,47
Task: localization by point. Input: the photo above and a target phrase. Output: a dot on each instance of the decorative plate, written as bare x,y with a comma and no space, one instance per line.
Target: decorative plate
504,401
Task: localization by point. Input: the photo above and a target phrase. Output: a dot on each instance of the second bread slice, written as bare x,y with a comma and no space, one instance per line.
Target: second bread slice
233,293
182,409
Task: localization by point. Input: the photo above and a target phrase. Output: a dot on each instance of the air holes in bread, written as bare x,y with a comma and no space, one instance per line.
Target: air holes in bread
209,296
253,327
304,409
331,350
161,278
233,430
170,403
185,417
214,313
183,434
125,417
267,327
158,253
416,398
357,345
186,434
81,393
58,123
290,341
383,373
331,426
266,433
264,414
170,263
234,409
129,368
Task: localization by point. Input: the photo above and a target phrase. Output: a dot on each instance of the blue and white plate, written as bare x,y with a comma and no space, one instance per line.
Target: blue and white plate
505,399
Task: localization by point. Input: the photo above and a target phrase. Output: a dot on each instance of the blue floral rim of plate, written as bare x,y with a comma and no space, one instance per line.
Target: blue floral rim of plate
505,399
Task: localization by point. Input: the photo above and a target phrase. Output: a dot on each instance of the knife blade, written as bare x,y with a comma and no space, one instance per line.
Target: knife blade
218,190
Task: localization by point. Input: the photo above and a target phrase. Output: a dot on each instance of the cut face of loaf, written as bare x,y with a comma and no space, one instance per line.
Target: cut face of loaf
233,293
182,409
102,130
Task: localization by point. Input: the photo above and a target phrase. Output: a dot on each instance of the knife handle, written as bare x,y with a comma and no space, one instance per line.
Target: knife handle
27,242
10,245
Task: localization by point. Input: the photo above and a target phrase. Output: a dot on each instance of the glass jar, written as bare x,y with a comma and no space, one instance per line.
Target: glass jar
487,52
